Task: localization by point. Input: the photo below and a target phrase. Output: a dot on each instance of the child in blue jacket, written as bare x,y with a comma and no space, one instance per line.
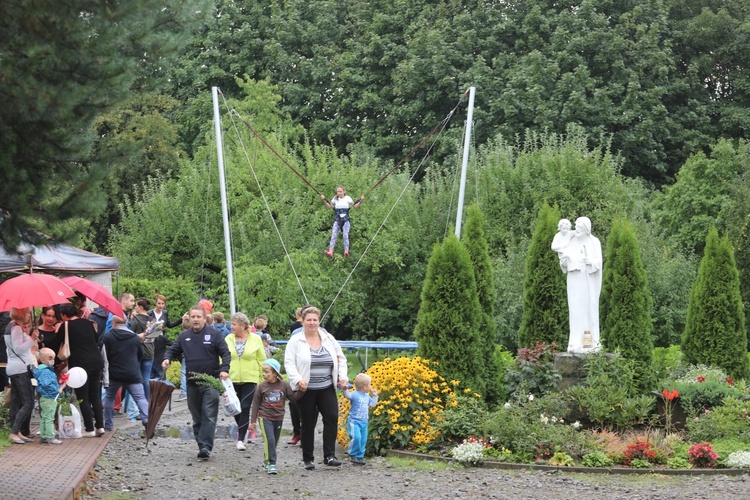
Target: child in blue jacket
48,389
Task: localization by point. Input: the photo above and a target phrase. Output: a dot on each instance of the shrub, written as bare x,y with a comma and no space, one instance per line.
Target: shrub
739,460
626,303
639,463
732,419
715,327
726,446
470,451
678,463
535,428
562,459
605,397
597,459
462,419
639,450
665,360
702,455
173,373
450,316
706,395
412,397
534,371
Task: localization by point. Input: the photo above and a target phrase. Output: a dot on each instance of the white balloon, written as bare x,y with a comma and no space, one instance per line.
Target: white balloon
77,377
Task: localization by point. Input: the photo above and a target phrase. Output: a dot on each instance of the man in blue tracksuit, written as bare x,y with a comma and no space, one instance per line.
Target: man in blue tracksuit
201,346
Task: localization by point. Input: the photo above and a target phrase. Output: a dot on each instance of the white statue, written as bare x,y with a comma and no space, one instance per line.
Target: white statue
581,259
561,240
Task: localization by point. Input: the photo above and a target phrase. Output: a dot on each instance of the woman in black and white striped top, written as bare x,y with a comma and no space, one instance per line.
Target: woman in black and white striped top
316,365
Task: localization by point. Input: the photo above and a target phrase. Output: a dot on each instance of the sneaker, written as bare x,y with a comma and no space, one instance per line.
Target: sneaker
358,461
332,461
44,441
91,434
346,253
294,440
203,454
181,398
272,469
100,432
309,465
54,441
240,446
329,252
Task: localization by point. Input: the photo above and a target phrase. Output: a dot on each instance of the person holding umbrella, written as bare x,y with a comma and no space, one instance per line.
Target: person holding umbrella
21,344
202,346
124,354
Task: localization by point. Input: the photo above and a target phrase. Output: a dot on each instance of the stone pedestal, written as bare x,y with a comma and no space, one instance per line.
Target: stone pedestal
570,366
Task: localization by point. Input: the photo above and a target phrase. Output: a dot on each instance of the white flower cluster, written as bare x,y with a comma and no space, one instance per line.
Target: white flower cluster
739,460
576,425
545,419
469,453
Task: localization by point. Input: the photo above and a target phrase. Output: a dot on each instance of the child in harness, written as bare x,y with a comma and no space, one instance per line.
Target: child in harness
341,204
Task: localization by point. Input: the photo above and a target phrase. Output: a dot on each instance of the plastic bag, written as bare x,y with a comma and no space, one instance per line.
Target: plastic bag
70,426
229,400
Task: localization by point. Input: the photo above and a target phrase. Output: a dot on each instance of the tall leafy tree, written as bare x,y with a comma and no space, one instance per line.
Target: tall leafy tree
625,303
715,330
706,194
476,244
545,306
450,315
63,64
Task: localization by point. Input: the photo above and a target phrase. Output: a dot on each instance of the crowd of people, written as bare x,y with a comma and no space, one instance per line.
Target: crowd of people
126,352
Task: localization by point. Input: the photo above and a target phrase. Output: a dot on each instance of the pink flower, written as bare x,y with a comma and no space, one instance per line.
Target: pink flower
701,379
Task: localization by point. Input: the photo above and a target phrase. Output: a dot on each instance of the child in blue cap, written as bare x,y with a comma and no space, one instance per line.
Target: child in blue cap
269,403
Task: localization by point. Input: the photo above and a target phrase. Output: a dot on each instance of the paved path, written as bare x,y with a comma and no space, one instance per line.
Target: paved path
45,471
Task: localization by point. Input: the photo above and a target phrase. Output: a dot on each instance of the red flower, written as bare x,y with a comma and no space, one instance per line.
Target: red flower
63,378
670,395
701,379
730,381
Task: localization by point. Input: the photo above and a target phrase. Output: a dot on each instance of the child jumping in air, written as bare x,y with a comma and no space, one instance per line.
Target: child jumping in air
49,389
268,405
341,203
361,399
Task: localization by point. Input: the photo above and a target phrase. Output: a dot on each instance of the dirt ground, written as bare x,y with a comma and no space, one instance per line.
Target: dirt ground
169,469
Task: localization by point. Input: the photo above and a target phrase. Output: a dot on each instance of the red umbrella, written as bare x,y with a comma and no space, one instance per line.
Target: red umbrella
33,290
96,293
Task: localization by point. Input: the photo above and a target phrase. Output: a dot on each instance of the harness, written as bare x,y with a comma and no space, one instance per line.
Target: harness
342,216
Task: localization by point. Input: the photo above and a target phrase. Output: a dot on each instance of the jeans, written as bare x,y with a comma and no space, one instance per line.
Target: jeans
146,376
183,379
21,401
357,438
271,430
311,403
245,393
129,405
203,403
136,390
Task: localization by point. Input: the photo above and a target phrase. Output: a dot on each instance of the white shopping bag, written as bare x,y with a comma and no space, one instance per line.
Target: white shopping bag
229,400
70,427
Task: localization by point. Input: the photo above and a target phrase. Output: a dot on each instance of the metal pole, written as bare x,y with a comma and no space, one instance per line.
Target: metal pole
223,188
465,162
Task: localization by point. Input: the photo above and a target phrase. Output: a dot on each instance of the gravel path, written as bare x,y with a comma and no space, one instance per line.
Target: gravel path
170,470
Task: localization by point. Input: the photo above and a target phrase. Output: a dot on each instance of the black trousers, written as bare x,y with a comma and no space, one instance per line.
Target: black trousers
245,393
312,403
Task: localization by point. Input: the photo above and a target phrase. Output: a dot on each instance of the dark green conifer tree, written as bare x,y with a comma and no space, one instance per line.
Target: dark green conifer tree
450,316
545,299
476,244
625,303
742,258
715,328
